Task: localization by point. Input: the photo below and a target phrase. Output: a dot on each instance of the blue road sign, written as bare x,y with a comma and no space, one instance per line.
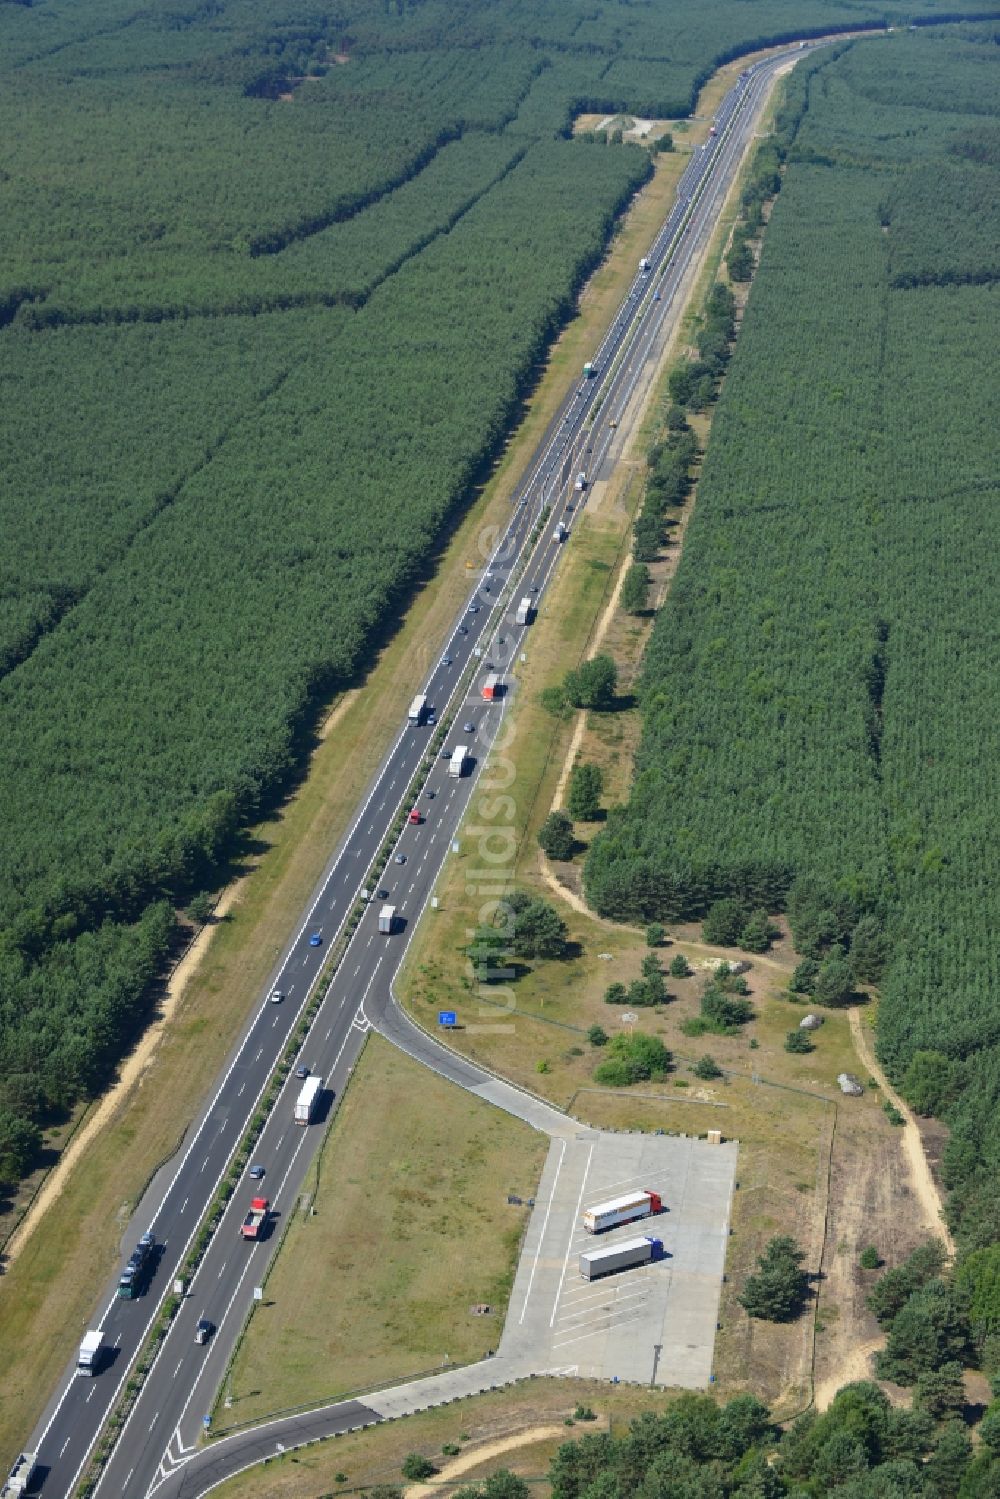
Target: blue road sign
447,1017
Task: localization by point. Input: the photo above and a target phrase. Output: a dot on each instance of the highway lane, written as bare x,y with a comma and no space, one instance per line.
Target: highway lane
224,1283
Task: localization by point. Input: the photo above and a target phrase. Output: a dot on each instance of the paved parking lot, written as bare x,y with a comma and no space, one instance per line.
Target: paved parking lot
654,1323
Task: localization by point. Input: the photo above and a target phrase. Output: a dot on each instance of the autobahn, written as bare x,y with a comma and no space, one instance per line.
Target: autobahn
164,1426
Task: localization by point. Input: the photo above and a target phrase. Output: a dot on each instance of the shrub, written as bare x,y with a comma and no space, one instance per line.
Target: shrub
870,1258
680,968
633,1059
724,1013
777,1289
597,1035
804,977
706,1068
416,1467
724,922
834,982
798,1042
655,933
555,836
758,932
616,994
583,797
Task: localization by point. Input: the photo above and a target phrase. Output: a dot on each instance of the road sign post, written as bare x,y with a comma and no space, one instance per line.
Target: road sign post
447,1019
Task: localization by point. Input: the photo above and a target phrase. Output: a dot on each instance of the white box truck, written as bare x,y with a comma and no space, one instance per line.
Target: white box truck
597,1262
91,1351
308,1100
620,1210
459,755
387,920
581,481
418,709
525,611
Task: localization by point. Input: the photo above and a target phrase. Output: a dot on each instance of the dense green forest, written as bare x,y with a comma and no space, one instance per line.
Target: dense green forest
274,283
819,693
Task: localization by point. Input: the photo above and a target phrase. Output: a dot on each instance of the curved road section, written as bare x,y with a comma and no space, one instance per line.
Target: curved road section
158,1445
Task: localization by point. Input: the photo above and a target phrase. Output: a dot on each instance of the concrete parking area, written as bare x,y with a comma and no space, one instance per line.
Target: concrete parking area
655,1323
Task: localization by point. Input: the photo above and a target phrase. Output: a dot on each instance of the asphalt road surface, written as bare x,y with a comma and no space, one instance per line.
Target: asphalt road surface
166,1421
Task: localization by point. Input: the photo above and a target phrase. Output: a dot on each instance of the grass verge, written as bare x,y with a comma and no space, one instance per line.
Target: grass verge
403,1229
375,1456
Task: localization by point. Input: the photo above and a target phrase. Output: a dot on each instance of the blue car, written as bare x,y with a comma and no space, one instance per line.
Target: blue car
316,940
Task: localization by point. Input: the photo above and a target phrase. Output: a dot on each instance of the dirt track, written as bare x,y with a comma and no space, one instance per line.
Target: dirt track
924,1186
482,1454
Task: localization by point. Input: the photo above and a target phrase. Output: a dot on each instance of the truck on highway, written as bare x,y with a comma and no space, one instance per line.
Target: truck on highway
581,481
387,920
91,1353
589,370
561,531
308,1100
418,709
21,1475
645,265
459,756
620,1210
525,612
597,1262
256,1221
492,688
135,1276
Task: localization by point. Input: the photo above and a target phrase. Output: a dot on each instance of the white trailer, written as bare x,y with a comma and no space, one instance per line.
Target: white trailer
418,709
21,1475
308,1100
620,1210
644,265
91,1349
597,1262
581,480
459,756
525,611
387,920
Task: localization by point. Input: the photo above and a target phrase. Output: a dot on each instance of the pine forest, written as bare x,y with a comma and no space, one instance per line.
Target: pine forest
819,696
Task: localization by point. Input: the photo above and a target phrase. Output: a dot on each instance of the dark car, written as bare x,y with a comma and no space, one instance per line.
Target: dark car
256,1173
302,1071
445,660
